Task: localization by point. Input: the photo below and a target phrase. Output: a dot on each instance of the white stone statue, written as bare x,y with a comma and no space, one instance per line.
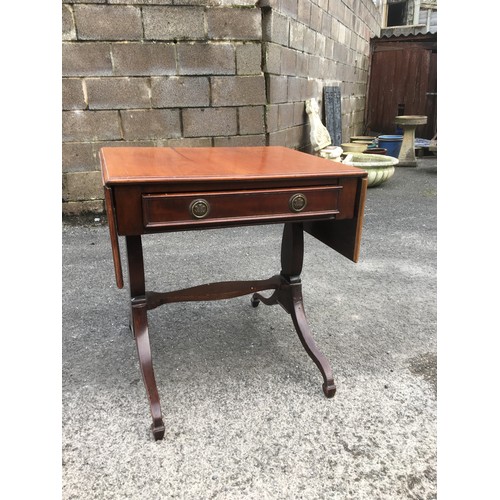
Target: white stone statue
320,137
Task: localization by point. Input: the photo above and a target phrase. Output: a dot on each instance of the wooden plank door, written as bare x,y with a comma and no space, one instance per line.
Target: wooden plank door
400,79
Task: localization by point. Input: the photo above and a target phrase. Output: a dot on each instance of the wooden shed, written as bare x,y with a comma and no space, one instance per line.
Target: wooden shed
402,81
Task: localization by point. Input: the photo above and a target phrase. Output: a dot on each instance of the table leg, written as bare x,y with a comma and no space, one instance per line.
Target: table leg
292,256
289,296
140,329
305,336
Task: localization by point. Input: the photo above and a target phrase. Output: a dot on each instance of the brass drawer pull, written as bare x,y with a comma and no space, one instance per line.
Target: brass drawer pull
297,202
199,208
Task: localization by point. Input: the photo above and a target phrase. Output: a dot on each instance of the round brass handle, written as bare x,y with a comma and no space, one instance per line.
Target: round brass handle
199,208
297,202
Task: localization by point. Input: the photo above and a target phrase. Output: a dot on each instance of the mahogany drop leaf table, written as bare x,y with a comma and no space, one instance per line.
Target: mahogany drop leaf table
152,189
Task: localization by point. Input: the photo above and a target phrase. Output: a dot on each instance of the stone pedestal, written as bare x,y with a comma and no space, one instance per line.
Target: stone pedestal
409,123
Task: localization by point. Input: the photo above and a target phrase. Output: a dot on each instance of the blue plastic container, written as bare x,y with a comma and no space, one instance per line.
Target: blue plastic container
392,143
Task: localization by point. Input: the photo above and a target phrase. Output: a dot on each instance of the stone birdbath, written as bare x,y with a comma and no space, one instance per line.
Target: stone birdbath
409,123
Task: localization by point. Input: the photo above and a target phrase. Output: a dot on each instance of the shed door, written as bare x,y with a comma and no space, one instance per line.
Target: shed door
399,85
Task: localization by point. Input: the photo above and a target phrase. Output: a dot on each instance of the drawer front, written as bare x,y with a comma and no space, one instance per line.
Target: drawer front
225,208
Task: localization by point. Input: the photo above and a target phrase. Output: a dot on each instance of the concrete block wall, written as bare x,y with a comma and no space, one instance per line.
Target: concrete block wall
202,73
310,44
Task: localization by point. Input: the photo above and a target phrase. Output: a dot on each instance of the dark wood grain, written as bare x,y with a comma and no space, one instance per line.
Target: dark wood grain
229,207
113,236
211,291
289,296
150,190
402,76
140,329
343,236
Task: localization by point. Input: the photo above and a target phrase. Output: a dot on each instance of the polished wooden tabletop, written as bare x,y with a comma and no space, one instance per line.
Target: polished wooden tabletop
126,165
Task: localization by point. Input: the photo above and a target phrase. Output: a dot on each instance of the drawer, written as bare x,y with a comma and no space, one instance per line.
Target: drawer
228,207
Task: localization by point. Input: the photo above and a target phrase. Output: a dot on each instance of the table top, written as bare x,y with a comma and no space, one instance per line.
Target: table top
149,165
158,189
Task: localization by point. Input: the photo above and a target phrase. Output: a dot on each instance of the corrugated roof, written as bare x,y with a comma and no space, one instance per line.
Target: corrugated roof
403,31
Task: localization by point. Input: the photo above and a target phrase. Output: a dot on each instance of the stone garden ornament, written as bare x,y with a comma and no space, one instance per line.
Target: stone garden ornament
320,137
